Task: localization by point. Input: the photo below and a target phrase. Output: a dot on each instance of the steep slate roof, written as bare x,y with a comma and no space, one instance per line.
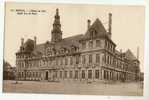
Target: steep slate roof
100,29
68,42
29,45
98,26
130,55
38,50
64,43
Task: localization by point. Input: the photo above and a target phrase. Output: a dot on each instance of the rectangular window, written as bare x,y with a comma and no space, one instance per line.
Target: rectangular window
111,76
61,61
107,59
98,44
97,58
71,60
77,59
83,59
33,74
65,74
111,60
36,74
22,64
90,58
22,74
83,45
89,74
90,44
107,75
76,74
70,74
104,74
66,61
97,74
61,74
83,74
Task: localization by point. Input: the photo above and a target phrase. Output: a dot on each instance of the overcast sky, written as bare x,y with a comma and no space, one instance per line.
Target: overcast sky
127,25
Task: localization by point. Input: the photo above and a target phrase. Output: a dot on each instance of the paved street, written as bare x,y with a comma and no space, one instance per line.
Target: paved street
125,89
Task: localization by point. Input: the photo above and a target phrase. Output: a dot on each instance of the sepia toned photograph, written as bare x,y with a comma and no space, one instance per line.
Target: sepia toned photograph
81,49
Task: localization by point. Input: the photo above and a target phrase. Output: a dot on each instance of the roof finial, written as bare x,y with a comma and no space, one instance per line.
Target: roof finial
57,11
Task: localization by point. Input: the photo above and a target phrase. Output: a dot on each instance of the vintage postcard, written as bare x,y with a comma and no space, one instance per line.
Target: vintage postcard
82,49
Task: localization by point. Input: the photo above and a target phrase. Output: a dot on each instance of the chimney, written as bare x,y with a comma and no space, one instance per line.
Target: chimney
88,23
138,53
110,23
22,41
35,40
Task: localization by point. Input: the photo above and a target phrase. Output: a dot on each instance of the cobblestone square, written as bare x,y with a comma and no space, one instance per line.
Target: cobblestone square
114,89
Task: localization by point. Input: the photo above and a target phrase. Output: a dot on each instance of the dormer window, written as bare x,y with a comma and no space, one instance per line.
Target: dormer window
83,45
93,33
98,44
90,44
73,48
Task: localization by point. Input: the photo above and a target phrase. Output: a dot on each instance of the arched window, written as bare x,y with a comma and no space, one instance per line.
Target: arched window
66,61
77,59
90,58
83,59
97,58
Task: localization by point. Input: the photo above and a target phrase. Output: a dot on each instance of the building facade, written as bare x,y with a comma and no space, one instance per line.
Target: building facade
85,57
8,71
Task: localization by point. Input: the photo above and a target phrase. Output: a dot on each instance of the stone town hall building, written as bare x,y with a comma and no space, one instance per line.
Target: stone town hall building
86,57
